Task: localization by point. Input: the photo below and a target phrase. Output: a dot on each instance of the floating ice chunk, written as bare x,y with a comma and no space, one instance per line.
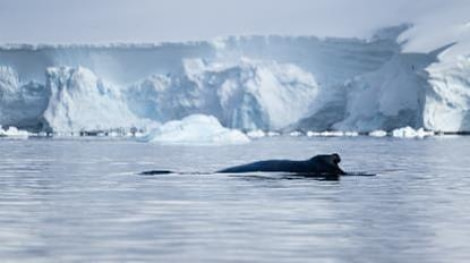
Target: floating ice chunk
378,133
13,132
295,134
332,134
351,134
256,134
196,130
313,134
273,134
408,132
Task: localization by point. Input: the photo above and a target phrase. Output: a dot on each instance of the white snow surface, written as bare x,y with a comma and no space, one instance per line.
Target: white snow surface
270,83
195,130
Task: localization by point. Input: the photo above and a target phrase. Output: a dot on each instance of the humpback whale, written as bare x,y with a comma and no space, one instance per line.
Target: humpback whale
317,166
320,165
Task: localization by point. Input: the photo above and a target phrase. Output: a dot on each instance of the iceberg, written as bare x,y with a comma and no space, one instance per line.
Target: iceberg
269,83
447,106
80,101
195,130
21,104
246,94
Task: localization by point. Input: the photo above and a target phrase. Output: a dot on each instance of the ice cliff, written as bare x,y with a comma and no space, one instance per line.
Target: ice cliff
80,101
249,83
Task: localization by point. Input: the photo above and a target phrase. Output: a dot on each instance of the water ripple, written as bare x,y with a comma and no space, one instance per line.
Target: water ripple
66,201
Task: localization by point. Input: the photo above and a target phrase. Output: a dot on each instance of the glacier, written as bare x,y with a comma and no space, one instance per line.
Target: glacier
267,83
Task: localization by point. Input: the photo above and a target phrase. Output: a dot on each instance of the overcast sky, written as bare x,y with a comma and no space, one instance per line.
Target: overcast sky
91,21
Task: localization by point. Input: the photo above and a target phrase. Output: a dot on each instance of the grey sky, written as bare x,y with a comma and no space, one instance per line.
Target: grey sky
65,21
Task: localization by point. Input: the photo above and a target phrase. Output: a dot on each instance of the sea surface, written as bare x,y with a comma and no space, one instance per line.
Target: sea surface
83,200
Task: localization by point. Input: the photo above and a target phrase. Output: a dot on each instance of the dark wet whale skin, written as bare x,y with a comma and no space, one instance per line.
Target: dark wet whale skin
317,165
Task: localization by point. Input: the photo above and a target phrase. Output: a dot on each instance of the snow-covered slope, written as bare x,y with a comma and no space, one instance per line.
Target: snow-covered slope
250,83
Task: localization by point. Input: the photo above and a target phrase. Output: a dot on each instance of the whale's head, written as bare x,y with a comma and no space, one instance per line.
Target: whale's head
328,163
335,158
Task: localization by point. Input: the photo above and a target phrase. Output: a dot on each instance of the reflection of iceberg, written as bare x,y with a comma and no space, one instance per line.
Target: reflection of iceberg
195,129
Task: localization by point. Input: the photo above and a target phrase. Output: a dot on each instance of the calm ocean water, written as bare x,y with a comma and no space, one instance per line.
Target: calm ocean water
83,201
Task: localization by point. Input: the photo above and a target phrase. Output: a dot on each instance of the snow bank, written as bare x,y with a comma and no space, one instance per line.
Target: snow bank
195,130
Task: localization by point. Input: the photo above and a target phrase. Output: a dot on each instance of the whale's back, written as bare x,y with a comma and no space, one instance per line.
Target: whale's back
269,166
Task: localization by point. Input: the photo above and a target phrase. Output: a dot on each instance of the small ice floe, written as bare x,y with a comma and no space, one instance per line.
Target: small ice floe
13,132
408,132
313,134
256,134
332,134
351,134
378,133
295,134
195,130
273,134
